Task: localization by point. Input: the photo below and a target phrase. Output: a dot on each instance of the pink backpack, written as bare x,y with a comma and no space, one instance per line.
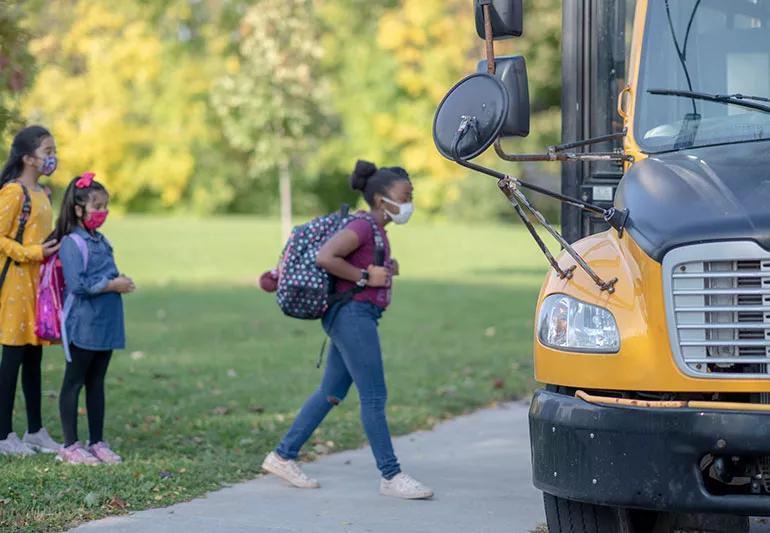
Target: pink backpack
49,308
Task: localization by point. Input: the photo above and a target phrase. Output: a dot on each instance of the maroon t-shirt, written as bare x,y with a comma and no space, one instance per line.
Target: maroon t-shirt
362,257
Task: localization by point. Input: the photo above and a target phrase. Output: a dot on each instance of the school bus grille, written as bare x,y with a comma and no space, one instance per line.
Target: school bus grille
719,309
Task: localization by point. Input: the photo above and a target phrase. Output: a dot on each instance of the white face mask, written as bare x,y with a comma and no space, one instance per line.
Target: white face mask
404,213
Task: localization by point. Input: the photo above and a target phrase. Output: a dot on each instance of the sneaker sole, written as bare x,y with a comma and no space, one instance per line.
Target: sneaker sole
278,473
422,496
61,460
16,454
40,449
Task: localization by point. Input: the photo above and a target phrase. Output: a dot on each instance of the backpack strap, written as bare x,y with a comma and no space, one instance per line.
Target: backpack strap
80,242
26,211
379,242
82,245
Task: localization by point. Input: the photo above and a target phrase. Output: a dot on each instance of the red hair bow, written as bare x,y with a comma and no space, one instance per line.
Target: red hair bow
85,180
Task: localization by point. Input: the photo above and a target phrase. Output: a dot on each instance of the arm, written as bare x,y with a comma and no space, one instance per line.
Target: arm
11,200
75,276
331,256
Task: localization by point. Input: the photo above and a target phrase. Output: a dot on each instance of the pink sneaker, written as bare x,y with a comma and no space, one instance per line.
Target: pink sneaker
75,454
102,451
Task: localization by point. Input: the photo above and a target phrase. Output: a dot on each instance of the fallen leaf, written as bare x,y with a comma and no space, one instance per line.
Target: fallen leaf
256,409
135,356
220,411
321,449
117,503
231,373
498,383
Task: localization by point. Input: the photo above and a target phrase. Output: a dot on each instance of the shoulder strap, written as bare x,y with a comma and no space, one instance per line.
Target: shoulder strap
26,210
80,242
379,242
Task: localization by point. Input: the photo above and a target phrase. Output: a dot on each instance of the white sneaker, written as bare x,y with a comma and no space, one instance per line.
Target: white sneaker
12,445
41,442
404,486
288,470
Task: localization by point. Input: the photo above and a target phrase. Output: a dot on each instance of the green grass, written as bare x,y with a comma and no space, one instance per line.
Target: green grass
214,374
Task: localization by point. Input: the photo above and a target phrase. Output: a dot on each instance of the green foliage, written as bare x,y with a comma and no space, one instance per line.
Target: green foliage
15,65
271,105
191,105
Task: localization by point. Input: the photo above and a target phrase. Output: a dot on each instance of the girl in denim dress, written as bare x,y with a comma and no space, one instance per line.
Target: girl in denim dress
92,316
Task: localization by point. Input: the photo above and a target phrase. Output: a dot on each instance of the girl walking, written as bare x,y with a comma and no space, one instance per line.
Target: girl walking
354,355
93,316
26,219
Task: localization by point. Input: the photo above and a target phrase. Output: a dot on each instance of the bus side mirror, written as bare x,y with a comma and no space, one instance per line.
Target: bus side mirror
507,18
512,72
470,117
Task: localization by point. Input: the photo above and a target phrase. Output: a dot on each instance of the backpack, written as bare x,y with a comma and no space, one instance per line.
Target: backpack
49,306
304,289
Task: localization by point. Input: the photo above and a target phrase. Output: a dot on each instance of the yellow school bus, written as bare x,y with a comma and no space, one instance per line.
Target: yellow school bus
652,331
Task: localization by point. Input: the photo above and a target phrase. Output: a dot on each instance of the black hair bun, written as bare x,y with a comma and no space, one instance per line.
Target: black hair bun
361,174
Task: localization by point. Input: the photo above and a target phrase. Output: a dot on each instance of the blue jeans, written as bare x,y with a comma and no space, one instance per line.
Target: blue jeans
354,357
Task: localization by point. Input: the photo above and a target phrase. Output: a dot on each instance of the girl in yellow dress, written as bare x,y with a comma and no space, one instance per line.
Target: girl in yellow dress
26,219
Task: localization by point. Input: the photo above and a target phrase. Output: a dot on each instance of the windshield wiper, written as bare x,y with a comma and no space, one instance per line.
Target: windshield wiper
737,99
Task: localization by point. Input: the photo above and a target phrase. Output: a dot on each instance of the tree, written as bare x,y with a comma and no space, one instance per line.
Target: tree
124,87
15,64
272,106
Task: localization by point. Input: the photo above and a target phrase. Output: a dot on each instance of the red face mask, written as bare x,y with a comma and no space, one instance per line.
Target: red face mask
95,219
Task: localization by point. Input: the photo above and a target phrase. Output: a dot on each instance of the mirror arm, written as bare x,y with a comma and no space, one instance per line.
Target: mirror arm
563,274
586,142
510,188
566,199
488,36
554,155
616,218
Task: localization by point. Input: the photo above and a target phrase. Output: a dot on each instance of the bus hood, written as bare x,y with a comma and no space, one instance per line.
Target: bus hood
699,195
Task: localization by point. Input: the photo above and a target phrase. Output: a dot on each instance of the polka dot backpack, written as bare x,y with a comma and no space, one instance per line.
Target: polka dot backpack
306,290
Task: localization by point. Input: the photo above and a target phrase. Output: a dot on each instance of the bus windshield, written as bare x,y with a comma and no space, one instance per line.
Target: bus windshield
704,77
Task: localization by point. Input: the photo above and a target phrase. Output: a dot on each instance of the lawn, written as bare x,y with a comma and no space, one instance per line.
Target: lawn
214,373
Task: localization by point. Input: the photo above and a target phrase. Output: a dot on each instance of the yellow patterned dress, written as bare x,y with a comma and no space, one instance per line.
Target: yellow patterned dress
17,295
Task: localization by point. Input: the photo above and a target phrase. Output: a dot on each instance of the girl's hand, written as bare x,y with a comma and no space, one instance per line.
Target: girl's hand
122,285
394,267
378,276
50,247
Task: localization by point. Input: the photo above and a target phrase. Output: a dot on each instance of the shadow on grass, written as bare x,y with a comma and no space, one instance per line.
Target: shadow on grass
214,375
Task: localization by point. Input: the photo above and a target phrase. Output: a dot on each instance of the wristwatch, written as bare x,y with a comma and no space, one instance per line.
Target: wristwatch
364,279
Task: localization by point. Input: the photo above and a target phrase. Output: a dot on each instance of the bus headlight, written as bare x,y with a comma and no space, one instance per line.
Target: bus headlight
571,325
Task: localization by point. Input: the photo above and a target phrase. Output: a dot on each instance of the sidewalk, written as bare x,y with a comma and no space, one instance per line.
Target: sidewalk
478,465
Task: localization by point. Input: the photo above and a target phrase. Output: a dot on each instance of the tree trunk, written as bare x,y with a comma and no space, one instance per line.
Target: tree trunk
284,178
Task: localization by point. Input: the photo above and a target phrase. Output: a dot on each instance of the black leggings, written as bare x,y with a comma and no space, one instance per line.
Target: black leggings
87,368
28,358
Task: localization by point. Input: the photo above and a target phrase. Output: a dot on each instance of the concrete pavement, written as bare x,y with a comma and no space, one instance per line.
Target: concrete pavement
478,465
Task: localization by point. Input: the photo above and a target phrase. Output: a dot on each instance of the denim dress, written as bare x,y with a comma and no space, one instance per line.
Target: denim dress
93,319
